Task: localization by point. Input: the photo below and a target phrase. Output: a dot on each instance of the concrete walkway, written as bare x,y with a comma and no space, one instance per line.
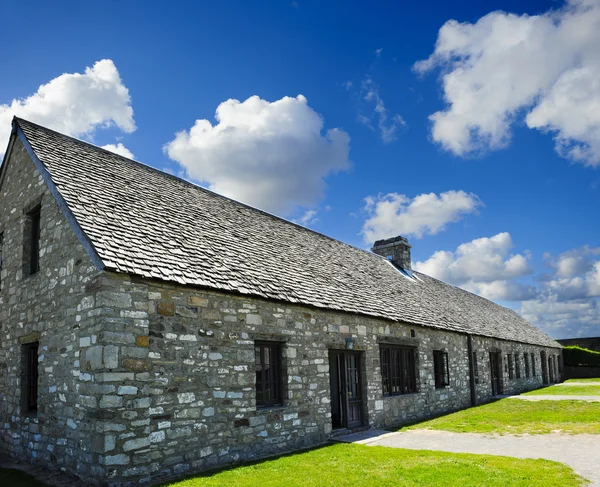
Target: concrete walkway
580,452
556,397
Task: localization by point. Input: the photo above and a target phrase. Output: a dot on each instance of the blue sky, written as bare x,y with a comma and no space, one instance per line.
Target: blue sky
499,195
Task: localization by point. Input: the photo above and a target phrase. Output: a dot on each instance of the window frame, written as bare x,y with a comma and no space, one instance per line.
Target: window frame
30,377
517,366
510,366
275,381
398,369
31,240
526,359
440,362
475,367
532,364
1,255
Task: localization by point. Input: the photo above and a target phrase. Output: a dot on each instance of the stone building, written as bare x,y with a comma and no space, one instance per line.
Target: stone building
151,328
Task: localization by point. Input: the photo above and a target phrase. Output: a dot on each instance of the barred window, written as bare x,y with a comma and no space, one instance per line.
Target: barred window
440,366
1,251
30,375
268,374
398,370
32,241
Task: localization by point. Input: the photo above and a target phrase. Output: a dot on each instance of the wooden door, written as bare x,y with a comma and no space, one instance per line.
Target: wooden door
346,389
495,372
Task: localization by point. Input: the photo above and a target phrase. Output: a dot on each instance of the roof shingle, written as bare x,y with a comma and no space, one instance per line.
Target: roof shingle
146,222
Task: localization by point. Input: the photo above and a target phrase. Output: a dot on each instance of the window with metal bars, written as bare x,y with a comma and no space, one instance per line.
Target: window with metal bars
30,376
32,241
1,252
398,370
269,376
510,365
440,367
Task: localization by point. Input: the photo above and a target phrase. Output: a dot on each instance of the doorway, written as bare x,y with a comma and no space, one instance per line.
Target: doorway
544,368
496,373
345,372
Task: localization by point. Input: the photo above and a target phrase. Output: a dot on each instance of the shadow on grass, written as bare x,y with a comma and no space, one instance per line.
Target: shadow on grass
233,466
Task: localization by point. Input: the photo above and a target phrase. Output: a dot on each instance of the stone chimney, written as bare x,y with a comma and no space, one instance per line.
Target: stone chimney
396,250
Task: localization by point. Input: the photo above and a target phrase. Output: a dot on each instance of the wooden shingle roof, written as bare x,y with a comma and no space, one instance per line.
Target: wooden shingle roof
145,222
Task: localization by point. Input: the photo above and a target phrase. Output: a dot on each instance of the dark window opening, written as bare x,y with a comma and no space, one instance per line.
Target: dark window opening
268,374
1,251
398,370
532,365
440,366
517,366
510,365
475,368
32,241
31,377
526,358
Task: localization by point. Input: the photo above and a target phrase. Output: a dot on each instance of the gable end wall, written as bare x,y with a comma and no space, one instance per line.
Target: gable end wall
55,307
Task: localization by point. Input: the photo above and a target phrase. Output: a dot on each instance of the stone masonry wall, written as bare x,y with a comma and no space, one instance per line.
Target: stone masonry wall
186,388
51,306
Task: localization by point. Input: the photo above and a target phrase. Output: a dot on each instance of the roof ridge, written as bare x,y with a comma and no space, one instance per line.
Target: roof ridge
194,185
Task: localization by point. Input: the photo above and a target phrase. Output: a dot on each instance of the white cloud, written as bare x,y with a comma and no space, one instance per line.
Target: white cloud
568,304
308,218
504,65
576,274
75,104
396,214
388,124
483,266
563,319
120,149
272,155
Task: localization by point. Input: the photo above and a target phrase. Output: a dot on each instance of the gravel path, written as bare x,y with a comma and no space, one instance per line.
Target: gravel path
556,397
580,452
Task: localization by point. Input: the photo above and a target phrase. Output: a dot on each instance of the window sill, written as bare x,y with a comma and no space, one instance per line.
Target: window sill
270,409
391,396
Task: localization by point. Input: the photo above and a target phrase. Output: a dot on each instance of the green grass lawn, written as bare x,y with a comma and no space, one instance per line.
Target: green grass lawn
588,390
597,379
517,417
373,466
10,477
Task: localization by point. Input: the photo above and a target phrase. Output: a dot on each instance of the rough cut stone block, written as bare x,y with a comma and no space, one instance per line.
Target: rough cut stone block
142,341
113,299
136,444
110,402
252,319
120,459
166,308
137,365
186,397
127,390
197,301
92,358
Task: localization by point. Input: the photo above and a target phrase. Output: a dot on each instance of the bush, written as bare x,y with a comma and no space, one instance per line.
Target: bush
580,357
